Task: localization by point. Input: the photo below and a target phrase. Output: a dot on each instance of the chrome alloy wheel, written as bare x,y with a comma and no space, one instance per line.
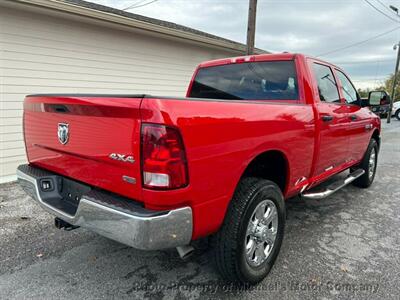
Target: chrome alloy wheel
371,164
261,233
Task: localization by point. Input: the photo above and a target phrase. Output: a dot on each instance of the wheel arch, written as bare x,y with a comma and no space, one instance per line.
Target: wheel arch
376,135
272,165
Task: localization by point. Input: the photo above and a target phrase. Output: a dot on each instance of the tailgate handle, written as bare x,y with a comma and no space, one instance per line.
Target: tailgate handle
58,108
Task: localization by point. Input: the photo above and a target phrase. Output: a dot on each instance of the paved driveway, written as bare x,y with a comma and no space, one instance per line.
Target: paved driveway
344,246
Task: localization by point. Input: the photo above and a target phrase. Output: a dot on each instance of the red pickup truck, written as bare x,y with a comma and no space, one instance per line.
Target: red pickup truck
159,172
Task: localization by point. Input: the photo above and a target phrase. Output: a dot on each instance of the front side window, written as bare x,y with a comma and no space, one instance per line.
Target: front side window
271,80
327,87
349,92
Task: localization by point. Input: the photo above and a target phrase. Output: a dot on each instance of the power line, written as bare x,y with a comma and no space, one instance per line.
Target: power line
146,3
387,8
358,43
378,78
138,4
380,11
363,62
133,5
378,65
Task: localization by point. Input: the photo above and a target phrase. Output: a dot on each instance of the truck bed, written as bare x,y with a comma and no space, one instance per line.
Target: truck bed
223,134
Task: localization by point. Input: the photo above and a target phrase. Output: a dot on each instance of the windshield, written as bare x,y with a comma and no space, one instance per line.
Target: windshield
271,80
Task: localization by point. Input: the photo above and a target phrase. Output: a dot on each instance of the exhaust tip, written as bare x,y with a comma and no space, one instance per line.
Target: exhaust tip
185,251
61,224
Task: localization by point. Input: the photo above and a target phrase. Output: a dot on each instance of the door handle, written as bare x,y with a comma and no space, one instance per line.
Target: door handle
353,117
327,118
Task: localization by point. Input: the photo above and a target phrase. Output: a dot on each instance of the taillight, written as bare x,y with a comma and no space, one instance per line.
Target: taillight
164,164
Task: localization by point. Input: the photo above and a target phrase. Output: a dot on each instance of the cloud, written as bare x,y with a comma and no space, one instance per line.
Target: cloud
305,26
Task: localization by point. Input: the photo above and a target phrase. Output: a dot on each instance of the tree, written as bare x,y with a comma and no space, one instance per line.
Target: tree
389,84
363,92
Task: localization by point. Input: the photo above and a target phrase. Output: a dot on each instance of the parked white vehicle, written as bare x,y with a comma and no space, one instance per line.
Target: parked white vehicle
396,110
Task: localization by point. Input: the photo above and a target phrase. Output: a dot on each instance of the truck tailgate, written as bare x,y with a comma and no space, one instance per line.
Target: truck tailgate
90,138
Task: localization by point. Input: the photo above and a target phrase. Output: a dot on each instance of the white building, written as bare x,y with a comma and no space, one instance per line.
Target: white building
72,46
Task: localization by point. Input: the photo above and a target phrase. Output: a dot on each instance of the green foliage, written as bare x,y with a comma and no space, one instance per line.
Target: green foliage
363,92
387,86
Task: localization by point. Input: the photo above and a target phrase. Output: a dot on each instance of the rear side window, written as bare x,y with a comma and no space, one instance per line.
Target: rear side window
272,80
327,87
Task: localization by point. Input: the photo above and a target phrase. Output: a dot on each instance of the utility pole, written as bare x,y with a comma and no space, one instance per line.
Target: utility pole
397,46
251,27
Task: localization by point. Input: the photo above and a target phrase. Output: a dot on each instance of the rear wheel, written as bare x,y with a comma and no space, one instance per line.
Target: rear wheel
249,241
368,164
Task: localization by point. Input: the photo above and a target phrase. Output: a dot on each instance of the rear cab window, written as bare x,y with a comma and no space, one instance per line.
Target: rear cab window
267,80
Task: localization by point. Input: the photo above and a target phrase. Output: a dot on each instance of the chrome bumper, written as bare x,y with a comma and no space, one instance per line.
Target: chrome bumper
103,213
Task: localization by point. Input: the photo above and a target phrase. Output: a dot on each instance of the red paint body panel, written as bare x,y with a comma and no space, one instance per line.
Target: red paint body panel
209,128
98,127
220,137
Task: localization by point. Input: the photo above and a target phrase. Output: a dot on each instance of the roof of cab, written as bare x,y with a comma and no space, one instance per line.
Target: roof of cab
261,57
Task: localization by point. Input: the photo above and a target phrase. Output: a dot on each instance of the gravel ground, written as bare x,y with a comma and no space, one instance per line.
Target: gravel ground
346,246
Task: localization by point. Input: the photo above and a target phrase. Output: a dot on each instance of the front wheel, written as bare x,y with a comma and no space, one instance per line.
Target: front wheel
249,241
368,164
397,114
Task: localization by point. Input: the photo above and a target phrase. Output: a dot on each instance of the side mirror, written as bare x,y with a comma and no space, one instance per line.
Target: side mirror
385,100
377,98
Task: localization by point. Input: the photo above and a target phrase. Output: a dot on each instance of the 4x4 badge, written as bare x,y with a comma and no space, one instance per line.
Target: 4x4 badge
122,157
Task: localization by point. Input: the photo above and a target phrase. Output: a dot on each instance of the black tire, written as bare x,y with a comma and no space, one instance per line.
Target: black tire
366,180
229,243
397,114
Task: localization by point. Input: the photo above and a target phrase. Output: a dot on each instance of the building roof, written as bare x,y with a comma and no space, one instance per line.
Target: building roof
130,15
114,15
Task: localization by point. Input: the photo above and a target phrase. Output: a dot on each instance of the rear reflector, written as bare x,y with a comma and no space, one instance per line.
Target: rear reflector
164,164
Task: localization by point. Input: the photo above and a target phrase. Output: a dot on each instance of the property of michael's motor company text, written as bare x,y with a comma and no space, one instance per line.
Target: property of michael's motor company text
272,286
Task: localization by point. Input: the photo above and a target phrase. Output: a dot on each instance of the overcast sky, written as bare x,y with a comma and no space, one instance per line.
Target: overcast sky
312,27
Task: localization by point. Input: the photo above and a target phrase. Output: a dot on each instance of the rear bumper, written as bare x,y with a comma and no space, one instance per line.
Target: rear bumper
108,214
